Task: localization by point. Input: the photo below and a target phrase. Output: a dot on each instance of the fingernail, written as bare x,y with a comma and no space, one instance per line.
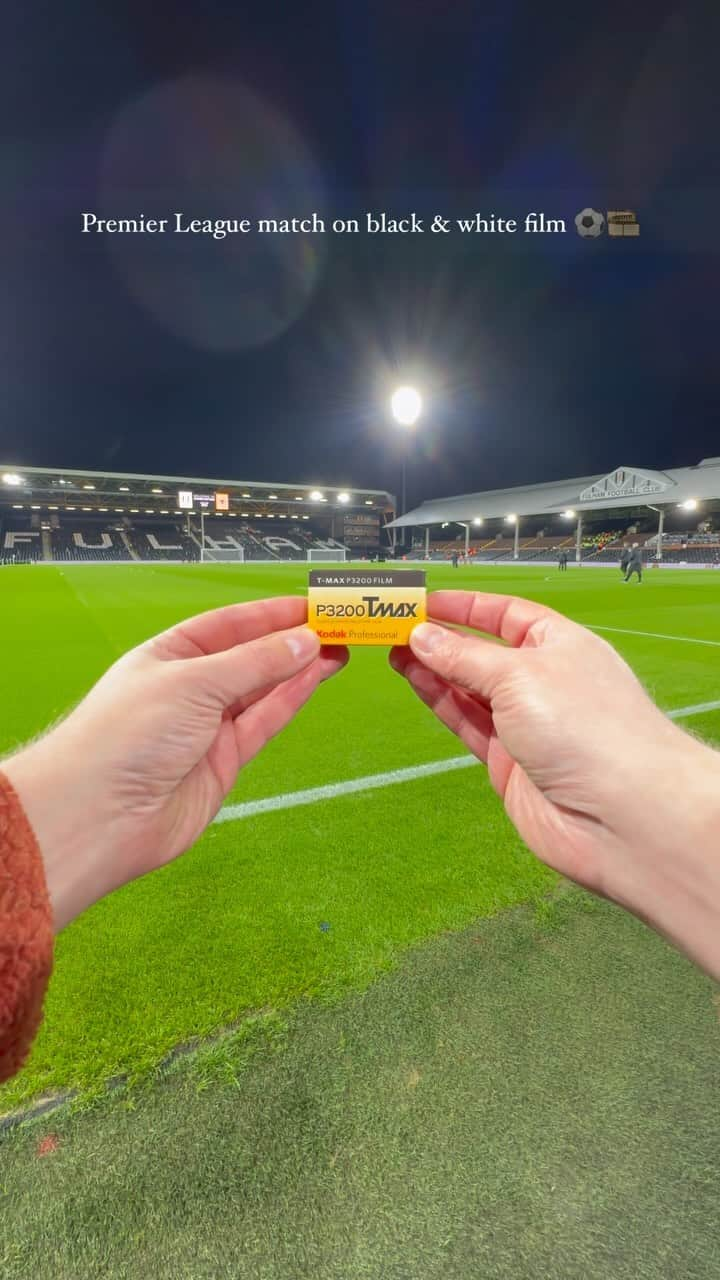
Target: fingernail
426,638
303,643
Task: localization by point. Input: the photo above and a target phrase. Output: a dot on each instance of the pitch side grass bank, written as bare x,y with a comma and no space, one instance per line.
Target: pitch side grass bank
523,1100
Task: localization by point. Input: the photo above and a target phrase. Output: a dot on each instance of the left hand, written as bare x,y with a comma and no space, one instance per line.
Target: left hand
136,772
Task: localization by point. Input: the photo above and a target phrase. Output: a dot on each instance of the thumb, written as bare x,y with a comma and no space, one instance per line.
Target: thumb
465,660
258,665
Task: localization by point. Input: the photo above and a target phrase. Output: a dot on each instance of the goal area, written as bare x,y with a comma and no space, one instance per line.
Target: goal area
222,555
324,556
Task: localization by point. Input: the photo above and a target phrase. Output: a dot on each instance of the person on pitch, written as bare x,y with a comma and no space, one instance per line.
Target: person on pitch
634,564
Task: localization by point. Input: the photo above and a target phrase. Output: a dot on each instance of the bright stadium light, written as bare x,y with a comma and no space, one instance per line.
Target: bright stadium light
569,515
124,488
511,519
406,405
689,505
88,486
11,478
317,496
477,520
343,497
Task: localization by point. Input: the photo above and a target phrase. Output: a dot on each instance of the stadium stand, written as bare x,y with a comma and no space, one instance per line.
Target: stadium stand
20,541
162,542
87,543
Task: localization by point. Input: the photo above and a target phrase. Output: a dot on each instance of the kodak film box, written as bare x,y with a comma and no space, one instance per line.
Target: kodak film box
366,606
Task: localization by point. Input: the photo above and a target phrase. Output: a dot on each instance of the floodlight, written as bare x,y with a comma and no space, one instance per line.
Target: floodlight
568,515
157,490
11,478
343,497
124,488
406,405
316,496
689,505
368,502
511,519
477,520
272,495
88,486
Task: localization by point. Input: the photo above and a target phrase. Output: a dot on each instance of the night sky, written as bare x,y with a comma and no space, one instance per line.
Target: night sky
272,358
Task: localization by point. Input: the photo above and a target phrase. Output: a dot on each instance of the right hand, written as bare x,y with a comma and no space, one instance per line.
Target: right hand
599,783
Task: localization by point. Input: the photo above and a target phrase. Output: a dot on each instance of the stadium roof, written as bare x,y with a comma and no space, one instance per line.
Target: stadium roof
59,486
625,487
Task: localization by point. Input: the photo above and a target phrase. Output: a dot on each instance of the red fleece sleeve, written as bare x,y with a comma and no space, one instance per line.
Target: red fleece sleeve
26,933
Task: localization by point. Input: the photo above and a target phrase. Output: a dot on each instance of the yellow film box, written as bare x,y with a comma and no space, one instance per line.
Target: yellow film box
366,606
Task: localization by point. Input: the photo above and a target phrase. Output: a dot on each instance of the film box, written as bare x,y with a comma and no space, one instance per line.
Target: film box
366,606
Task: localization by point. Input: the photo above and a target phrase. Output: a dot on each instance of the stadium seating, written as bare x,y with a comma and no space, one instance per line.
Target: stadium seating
162,542
27,548
82,542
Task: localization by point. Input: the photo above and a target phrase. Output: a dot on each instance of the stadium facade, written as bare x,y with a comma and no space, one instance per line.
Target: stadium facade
685,497
47,514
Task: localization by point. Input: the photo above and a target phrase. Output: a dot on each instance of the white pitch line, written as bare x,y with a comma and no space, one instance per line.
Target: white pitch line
290,799
372,781
651,635
697,710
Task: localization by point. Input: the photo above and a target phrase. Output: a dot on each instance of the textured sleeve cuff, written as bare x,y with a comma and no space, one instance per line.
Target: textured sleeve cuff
26,933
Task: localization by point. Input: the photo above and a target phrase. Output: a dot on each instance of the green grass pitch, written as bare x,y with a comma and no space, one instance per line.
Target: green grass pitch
234,926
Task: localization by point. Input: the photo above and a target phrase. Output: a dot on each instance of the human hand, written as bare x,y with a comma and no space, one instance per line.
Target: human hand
136,772
599,783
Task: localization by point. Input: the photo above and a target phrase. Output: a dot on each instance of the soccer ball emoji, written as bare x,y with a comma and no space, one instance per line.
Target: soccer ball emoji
589,223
